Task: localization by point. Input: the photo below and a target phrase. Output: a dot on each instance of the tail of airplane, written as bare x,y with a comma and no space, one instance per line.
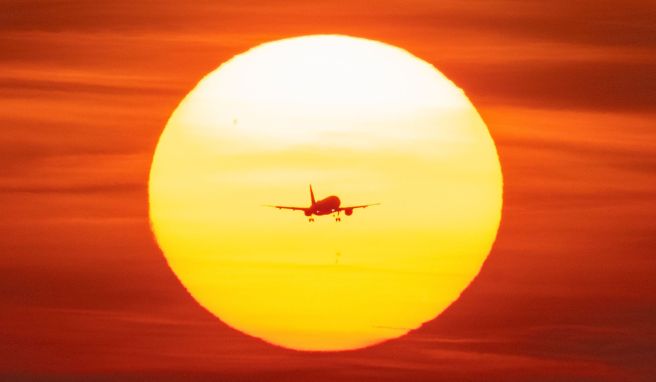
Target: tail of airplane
311,195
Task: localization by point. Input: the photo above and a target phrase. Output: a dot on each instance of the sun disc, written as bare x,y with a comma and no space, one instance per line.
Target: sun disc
356,118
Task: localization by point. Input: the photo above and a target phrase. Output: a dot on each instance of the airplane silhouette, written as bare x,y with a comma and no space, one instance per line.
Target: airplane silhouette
327,206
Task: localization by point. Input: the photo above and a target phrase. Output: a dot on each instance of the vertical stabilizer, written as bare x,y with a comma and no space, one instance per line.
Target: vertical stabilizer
311,195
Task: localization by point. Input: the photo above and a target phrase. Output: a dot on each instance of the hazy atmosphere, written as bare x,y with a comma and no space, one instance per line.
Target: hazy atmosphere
566,89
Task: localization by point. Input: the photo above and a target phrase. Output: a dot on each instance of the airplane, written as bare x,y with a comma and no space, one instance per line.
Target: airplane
327,206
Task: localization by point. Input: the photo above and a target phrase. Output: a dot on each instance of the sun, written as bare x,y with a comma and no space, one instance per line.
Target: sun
353,117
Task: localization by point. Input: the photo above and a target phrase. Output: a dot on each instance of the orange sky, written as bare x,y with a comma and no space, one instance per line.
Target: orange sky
568,90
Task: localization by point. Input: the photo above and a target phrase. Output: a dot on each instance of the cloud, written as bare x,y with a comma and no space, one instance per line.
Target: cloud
562,85
586,22
555,54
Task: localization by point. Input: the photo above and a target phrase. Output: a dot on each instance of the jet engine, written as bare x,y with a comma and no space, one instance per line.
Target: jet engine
348,211
307,213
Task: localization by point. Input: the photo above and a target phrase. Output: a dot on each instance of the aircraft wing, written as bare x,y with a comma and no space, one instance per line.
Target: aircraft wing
360,206
289,208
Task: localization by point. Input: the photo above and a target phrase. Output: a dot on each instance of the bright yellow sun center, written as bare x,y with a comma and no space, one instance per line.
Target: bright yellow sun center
355,118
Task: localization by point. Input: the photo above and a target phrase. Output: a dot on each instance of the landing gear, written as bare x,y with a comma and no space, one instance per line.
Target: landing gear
311,220
338,219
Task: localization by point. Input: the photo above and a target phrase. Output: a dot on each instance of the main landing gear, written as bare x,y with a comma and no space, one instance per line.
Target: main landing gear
337,219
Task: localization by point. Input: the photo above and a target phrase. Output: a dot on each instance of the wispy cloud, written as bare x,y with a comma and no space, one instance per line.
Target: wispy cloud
567,89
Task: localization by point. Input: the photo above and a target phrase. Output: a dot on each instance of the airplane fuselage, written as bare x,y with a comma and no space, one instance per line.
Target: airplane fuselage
325,206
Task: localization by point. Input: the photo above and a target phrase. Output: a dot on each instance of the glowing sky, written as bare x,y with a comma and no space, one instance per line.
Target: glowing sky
566,89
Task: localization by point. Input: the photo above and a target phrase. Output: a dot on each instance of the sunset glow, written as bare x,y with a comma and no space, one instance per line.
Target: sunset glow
502,156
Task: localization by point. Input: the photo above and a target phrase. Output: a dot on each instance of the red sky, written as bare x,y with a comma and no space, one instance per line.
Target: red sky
567,88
